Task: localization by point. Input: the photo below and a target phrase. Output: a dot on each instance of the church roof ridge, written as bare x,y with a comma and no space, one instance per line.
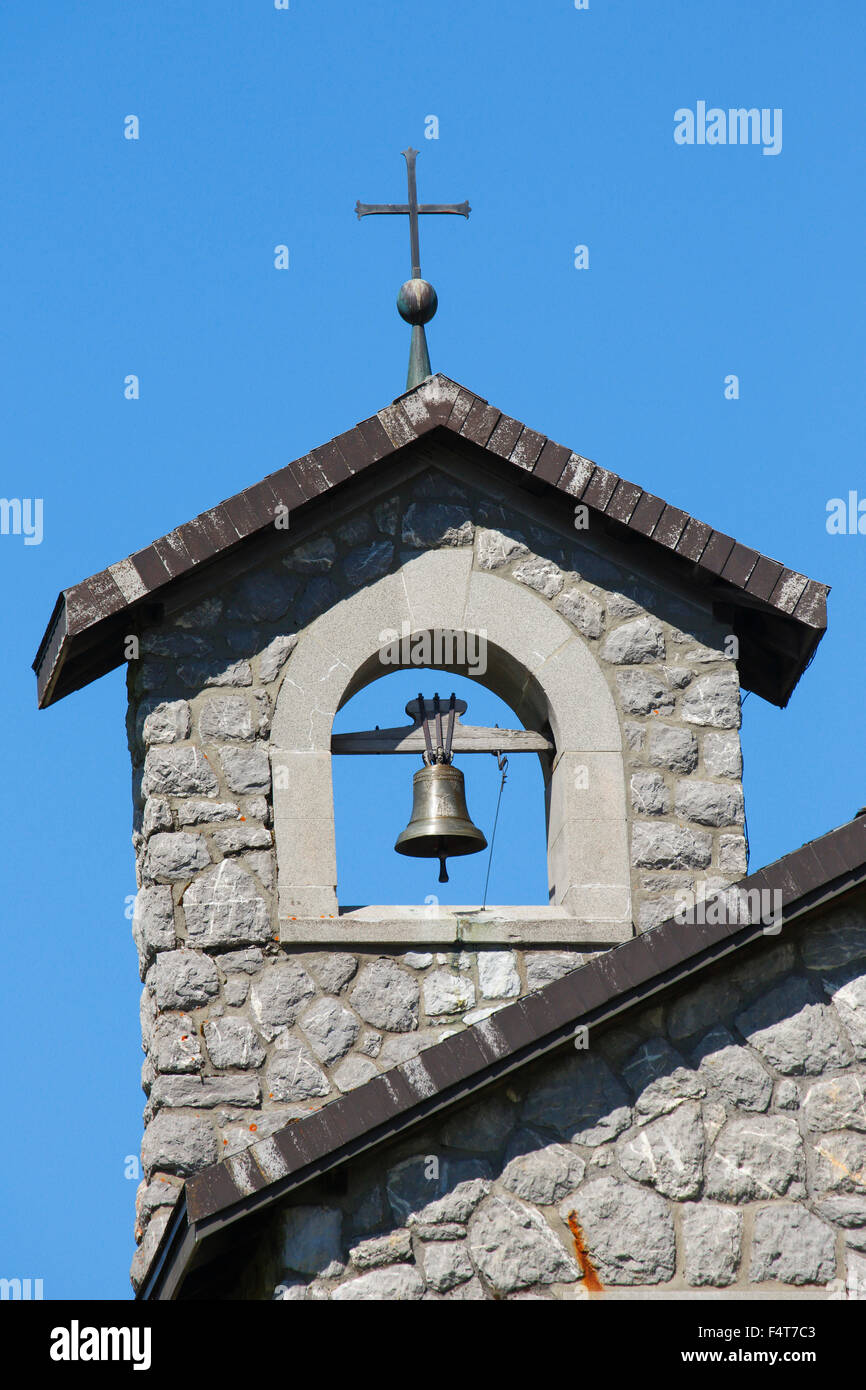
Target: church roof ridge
82,642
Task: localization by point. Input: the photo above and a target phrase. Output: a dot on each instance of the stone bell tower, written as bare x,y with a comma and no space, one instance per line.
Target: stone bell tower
617,627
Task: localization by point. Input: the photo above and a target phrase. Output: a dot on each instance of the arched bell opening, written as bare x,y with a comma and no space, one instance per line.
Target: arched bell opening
532,659
373,801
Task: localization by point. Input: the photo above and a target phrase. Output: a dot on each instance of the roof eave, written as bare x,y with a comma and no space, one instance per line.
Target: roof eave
91,616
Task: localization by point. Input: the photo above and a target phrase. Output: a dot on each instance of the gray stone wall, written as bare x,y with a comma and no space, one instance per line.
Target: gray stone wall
715,1145
241,1033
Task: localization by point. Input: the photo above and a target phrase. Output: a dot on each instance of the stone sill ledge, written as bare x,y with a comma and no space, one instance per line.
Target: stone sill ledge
453,926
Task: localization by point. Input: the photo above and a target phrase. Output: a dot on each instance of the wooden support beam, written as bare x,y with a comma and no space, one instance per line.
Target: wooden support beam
467,739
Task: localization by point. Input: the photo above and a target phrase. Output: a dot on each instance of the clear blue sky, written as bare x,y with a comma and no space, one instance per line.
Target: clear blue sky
155,257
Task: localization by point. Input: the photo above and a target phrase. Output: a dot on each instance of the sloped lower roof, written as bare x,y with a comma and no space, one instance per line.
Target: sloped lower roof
778,614
450,1071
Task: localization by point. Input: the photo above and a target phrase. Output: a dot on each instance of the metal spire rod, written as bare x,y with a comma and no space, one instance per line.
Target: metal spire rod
417,301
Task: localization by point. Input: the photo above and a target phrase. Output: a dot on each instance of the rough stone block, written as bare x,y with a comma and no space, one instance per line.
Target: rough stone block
222,909
667,846
233,1042
175,856
791,1245
184,979
723,756
168,722
513,1247
713,700
179,1144
247,770
628,1232
709,803
672,747
226,717
178,772
793,1031
756,1157
711,1237
632,643
387,997
277,995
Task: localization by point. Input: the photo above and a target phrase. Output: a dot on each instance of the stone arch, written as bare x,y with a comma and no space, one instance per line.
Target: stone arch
535,662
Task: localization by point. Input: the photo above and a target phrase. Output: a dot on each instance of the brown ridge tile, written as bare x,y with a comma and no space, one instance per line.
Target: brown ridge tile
459,1056
762,580
195,541
600,488
310,476
241,515
439,397
833,861
81,608
627,966
777,877
210,1191
527,449
263,502
517,1025
807,869
576,475
687,938
734,926
174,554
376,437
695,536
588,987
151,568
716,551
666,946
543,1011
646,514
739,564
788,589
198,544
850,841
339,1123
421,415
107,595
355,449
295,1144
286,487
332,463
670,526
219,527
460,409
404,1096
245,1172
551,462
374,1102
398,426
623,502
505,436
480,423
812,605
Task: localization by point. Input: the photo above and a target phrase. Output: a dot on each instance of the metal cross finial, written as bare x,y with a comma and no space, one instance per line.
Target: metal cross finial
417,300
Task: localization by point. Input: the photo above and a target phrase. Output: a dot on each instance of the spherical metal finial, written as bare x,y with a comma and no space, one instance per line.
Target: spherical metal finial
417,301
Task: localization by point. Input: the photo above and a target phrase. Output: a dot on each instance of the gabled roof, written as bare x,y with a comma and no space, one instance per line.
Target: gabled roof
778,614
396,1101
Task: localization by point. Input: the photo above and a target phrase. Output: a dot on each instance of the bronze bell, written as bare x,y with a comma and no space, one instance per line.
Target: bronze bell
439,826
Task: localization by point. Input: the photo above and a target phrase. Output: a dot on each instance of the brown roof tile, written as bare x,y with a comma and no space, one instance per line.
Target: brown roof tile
441,403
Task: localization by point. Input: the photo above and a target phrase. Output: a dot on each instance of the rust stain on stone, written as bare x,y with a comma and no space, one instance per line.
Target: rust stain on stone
587,1268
